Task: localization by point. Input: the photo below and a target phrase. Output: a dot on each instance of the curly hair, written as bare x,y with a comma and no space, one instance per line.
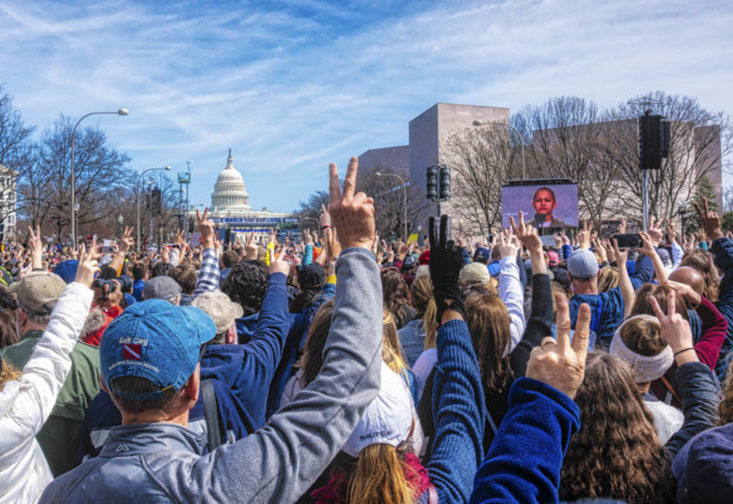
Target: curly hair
488,323
616,453
160,269
700,260
246,284
396,295
185,275
608,279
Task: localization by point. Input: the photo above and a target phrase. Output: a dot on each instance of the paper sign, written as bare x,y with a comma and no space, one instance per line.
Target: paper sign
412,238
195,240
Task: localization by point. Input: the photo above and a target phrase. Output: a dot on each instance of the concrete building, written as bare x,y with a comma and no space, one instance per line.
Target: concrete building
231,211
426,134
8,199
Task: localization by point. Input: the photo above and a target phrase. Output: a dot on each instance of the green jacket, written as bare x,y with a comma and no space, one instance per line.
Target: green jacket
61,434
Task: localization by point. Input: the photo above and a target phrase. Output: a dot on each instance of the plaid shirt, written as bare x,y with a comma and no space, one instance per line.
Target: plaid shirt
208,279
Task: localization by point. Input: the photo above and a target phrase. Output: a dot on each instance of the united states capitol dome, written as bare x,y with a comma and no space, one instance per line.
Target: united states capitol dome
230,192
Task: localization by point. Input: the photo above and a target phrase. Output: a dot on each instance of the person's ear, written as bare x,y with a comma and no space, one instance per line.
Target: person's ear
231,336
192,386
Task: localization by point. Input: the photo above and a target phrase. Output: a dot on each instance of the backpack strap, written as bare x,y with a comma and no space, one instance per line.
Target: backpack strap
211,412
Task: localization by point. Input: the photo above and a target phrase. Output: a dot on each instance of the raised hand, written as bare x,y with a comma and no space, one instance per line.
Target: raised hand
561,364
324,218
676,330
505,245
709,220
622,255
647,245
206,228
671,231
88,265
127,241
277,264
353,215
600,250
655,230
526,234
251,247
35,247
446,261
179,240
622,226
584,235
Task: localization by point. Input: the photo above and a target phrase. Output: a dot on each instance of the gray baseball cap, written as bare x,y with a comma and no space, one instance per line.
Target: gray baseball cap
161,287
583,264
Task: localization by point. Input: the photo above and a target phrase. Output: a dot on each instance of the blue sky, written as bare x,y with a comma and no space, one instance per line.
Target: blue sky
292,85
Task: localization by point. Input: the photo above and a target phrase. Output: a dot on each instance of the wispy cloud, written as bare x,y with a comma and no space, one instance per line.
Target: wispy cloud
291,85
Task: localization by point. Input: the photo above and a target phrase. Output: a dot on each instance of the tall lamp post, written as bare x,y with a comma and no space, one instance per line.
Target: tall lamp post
519,135
404,200
122,112
137,199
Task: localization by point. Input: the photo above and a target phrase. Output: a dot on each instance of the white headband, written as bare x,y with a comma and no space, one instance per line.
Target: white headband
645,368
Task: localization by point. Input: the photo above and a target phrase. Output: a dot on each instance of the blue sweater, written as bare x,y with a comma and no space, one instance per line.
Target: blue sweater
459,426
525,459
607,308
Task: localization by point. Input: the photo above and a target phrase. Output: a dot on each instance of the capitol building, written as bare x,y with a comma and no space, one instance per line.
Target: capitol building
230,208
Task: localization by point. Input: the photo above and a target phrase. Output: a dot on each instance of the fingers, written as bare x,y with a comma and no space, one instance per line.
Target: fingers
513,225
563,321
705,205
334,189
671,302
198,216
697,208
657,309
444,225
350,180
582,331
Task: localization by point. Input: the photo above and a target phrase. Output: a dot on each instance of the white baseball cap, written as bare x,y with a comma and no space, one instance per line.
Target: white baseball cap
387,420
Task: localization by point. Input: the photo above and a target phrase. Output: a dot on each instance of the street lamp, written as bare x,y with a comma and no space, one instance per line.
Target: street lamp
519,135
122,112
404,200
137,199
120,220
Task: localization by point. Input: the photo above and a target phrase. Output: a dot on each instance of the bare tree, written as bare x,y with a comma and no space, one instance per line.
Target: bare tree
481,162
699,140
566,139
45,182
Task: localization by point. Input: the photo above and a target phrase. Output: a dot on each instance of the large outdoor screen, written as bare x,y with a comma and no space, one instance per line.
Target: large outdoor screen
550,205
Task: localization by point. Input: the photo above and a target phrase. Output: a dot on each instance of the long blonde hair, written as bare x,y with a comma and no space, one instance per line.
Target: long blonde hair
391,349
9,373
379,478
430,324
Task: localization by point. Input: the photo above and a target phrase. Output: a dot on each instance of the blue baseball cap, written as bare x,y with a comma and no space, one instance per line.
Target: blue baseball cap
157,341
482,254
67,270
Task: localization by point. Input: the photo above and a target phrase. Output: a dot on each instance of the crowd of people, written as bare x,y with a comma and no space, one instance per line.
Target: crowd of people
345,368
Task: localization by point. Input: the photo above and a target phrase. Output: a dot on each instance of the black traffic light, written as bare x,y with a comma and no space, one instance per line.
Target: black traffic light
651,133
432,180
666,138
444,183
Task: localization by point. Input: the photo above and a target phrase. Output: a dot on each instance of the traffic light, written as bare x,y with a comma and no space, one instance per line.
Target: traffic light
444,183
666,138
651,133
432,179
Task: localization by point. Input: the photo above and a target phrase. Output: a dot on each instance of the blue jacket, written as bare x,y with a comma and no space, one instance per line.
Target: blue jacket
723,250
607,308
137,289
525,459
248,369
299,325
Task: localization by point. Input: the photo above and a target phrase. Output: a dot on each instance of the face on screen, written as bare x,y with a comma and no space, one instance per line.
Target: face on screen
544,202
